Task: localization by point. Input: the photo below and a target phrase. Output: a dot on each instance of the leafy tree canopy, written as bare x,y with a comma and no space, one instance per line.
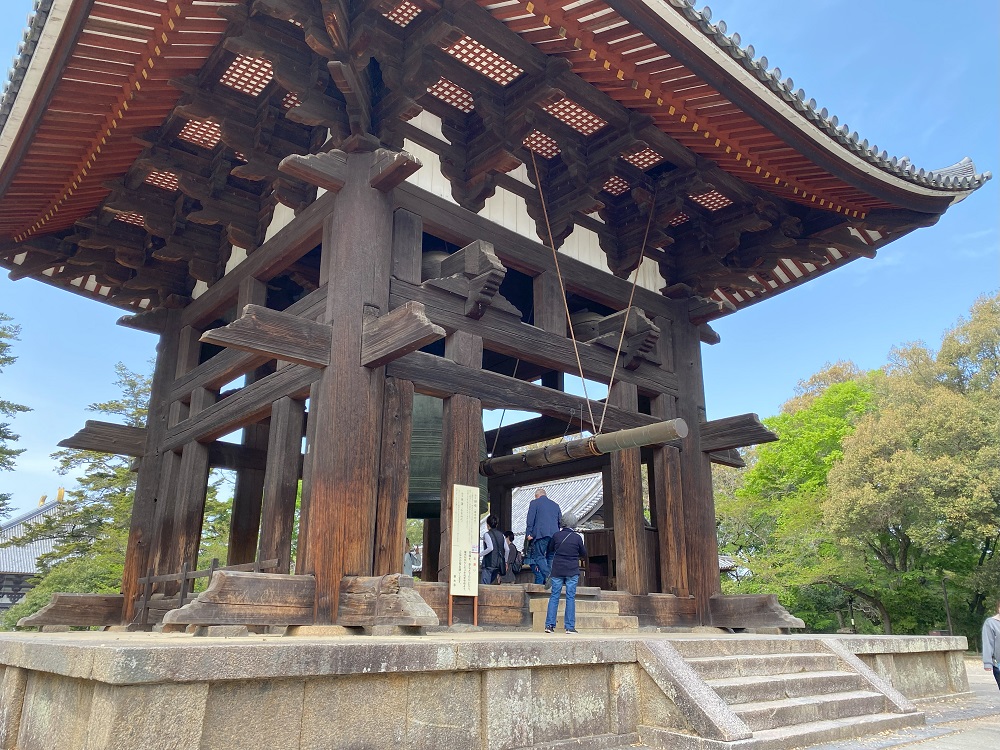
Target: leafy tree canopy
8,334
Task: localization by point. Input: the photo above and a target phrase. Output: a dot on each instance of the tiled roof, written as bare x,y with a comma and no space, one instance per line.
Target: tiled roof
961,176
19,66
23,559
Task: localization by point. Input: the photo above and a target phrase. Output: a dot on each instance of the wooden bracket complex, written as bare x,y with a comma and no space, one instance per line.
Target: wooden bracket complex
277,335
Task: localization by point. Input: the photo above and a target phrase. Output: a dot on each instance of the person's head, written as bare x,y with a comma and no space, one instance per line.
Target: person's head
540,492
568,521
509,535
492,522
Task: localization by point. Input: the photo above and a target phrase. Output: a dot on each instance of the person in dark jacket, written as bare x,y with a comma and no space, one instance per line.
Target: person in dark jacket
568,548
542,524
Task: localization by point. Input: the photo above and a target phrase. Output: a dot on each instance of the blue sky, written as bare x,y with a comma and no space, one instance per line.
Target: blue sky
917,77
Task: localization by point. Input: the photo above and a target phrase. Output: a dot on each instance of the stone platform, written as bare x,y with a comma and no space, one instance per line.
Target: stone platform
104,691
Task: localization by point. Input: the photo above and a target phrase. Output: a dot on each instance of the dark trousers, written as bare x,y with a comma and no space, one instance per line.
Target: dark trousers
996,675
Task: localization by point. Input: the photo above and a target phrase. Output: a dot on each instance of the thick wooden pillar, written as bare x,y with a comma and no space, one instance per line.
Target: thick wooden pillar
666,491
549,306
461,426
281,482
249,489
302,548
345,462
626,487
189,493
397,415
140,538
701,543
501,499
165,556
394,476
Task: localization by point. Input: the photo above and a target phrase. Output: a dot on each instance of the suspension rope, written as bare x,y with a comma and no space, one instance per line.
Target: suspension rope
562,288
628,311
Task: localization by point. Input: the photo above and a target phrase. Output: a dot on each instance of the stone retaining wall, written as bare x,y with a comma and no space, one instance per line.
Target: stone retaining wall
111,691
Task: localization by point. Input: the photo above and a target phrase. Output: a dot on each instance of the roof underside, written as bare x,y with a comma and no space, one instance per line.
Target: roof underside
146,145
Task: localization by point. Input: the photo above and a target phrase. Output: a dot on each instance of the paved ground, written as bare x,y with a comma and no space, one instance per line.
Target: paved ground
971,723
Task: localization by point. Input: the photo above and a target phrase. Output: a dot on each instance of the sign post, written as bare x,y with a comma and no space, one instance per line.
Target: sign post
464,548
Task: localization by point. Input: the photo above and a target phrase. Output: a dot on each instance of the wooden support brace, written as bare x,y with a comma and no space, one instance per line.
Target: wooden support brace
734,432
327,170
390,168
406,329
277,335
107,437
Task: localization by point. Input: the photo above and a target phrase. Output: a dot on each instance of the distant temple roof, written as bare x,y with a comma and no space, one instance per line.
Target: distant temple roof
23,559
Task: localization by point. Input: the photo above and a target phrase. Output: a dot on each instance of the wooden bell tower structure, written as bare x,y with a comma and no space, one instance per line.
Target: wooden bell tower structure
258,183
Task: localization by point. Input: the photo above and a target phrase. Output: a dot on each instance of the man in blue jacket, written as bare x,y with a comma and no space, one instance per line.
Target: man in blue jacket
543,523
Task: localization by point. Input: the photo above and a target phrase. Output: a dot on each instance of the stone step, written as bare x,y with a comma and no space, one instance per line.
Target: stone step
590,606
722,667
736,690
535,590
790,711
744,646
590,623
787,738
831,730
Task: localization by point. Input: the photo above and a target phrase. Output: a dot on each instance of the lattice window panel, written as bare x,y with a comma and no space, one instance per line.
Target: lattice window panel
644,159
290,101
579,118
453,94
541,144
681,218
163,180
616,186
132,218
712,200
248,74
201,133
484,60
403,13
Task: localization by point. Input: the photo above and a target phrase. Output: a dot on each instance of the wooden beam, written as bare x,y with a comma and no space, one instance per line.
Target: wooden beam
248,405
406,329
266,262
80,610
327,170
456,225
734,432
108,437
276,335
506,334
390,168
437,376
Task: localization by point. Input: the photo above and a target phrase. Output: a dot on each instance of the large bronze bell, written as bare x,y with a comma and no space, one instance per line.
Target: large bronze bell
425,460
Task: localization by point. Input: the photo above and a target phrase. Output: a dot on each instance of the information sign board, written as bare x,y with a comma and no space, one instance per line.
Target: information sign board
464,541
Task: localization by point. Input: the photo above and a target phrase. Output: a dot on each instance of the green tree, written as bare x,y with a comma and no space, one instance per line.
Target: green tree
8,333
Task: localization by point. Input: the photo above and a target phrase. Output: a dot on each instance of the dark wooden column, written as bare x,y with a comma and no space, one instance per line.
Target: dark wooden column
461,426
165,557
501,498
302,548
549,315
666,492
626,486
432,549
394,476
281,483
189,493
140,538
397,416
357,240
249,488
701,543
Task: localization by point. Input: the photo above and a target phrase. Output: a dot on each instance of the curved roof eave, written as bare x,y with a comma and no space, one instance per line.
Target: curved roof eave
40,41
709,52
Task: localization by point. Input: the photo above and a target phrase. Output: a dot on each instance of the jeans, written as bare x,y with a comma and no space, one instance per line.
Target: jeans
489,575
541,558
553,611
996,675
